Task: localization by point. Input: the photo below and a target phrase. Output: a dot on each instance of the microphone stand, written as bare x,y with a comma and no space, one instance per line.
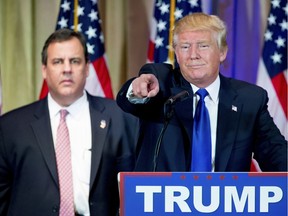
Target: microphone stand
168,113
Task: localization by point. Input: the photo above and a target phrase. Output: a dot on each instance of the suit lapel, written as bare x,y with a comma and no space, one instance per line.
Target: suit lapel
42,130
100,124
229,110
184,109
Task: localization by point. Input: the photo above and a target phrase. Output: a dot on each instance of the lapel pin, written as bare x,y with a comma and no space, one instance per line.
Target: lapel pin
102,124
234,108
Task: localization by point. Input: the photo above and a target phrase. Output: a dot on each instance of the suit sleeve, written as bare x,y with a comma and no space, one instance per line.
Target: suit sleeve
271,149
5,177
153,108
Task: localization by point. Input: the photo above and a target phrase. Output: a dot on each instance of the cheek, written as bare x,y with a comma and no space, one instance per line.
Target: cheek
181,58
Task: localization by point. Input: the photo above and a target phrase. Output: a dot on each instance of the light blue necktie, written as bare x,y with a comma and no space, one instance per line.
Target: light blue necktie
201,144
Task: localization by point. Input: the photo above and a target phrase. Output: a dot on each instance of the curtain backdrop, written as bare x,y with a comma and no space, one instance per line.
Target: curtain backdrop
25,24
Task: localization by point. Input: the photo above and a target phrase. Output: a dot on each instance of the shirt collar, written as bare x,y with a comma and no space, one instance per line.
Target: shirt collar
73,109
213,89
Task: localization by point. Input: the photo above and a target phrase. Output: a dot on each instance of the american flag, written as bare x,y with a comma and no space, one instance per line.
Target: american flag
83,16
166,12
272,73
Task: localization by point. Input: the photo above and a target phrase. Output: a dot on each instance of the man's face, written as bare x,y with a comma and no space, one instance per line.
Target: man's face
66,71
199,57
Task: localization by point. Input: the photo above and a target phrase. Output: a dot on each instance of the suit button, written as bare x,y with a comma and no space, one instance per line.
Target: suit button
55,209
91,203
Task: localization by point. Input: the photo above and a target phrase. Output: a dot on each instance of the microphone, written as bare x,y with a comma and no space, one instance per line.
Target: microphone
167,116
178,97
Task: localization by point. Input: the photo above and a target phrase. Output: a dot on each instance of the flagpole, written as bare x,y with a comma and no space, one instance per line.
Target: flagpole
172,22
75,15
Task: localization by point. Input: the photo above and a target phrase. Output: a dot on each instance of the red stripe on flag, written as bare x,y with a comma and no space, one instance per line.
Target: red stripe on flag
103,76
44,90
280,86
150,54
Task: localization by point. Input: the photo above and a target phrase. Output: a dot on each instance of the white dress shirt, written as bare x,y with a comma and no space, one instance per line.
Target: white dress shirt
79,126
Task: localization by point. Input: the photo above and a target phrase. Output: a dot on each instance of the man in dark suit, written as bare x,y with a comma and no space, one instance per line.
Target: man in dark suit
240,124
101,140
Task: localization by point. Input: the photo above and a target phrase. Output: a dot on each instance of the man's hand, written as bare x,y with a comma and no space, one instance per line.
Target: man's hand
146,85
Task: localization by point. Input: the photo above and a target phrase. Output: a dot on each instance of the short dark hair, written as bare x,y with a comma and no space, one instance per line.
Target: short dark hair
60,36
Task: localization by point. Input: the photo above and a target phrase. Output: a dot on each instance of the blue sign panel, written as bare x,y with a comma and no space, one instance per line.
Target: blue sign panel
187,193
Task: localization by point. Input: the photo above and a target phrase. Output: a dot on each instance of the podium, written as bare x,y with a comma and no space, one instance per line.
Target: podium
216,193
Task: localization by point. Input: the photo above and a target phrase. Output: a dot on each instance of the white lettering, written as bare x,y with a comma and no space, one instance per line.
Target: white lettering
180,200
177,196
231,195
265,199
198,199
148,192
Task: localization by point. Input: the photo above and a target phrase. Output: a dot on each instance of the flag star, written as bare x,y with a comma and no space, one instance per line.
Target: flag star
286,9
90,48
193,3
159,42
94,2
79,27
272,19
91,32
93,15
280,42
66,6
161,25
63,22
284,25
178,13
168,60
168,47
268,35
276,57
275,3
164,8
80,11
101,37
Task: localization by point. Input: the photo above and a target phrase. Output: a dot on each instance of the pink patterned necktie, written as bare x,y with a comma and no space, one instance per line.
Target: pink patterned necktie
64,166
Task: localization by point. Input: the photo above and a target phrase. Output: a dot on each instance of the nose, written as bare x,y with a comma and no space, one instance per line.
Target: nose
194,52
67,66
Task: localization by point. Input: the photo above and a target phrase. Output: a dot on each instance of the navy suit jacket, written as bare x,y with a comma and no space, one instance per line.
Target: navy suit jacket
28,173
244,126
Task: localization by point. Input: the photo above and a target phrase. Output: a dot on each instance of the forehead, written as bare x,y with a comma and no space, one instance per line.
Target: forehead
195,36
71,47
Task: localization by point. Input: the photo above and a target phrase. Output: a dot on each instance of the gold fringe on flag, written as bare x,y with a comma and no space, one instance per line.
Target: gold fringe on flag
75,15
172,22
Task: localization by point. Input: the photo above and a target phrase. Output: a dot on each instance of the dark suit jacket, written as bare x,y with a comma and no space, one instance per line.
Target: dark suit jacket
28,174
242,130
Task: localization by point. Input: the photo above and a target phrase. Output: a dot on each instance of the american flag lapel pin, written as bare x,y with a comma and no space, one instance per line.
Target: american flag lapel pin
102,124
234,108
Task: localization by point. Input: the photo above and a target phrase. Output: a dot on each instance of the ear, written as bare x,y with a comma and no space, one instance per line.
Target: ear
223,54
44,71
87,68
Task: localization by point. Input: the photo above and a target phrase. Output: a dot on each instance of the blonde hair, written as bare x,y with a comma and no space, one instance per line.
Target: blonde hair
201,21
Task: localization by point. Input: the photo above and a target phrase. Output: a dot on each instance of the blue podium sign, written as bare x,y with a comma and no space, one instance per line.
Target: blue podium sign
187,193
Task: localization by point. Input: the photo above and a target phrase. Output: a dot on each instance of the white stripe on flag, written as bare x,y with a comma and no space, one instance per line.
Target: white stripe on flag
93,85
274,105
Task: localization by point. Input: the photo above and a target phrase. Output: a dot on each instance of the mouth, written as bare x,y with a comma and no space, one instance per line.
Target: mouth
194,66
66,82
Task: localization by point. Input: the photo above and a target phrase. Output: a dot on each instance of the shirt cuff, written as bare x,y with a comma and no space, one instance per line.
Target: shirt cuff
133,99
